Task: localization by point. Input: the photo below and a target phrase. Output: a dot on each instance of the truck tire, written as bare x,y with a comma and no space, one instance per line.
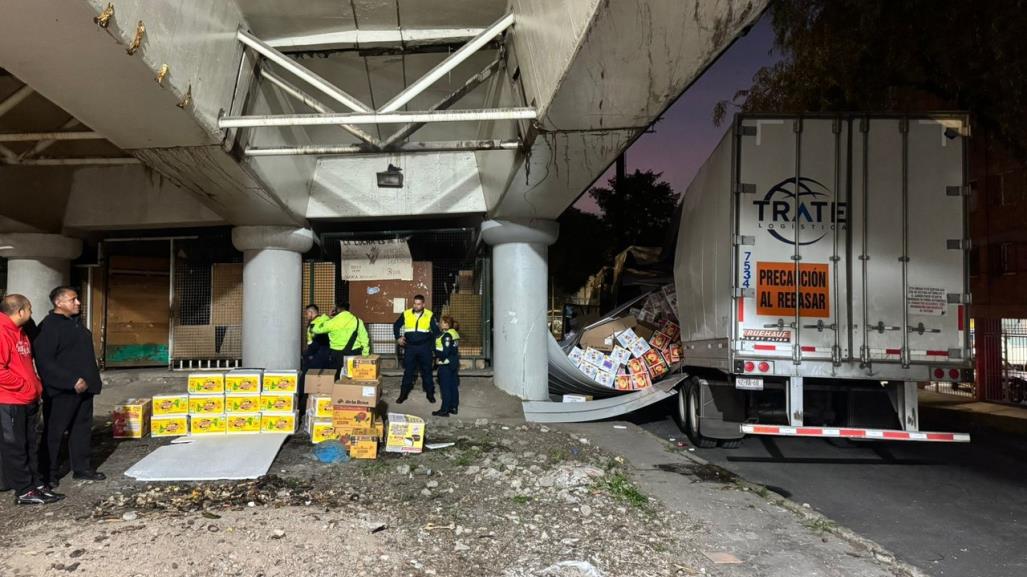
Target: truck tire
729,443
688,415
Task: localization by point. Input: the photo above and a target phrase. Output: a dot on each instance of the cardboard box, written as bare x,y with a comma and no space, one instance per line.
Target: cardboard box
620,355
281,381
637,366
278,402
207,425
364,368
206,404
588,369
660,341
606,378
321,430
363,447
319,381
319,406
169,425
405,434
623,383
243,381
171,404
576,355
347,416
465,282
593,357
577,398
242,403
242,423
640,348
659,370
131,418
603,337
356,393
652,357
278,423
675,354
671,329
627,338
640,381
206,383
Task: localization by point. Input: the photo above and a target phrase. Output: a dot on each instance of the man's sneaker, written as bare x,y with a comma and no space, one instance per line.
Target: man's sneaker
89,476
47,491
34,497
452,411
440,413
431,398
402,397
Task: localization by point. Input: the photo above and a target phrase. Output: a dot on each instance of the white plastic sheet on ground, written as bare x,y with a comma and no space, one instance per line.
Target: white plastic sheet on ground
210,458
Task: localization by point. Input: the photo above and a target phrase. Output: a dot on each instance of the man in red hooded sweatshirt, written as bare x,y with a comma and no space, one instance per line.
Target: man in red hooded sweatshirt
20,391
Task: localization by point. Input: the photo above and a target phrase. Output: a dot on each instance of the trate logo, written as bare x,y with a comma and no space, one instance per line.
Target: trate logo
815,214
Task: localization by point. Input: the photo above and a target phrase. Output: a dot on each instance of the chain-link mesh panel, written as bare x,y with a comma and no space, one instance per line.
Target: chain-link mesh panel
206,328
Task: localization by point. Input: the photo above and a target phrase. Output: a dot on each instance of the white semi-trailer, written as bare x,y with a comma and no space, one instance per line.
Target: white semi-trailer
821,272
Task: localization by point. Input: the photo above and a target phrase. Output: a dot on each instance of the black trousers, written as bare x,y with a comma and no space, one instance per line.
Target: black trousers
71,413
449,382
418,358
18,429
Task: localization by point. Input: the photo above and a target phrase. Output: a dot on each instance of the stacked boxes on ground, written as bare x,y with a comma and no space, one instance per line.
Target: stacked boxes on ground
632,352
347,410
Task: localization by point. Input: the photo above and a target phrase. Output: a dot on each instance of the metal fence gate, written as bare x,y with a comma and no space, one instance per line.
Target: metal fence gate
1014,361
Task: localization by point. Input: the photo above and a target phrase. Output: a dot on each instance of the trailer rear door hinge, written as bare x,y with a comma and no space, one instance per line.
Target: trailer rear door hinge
955,353
745,188
744,240
745,292
957,244
747,131
954,298
957,191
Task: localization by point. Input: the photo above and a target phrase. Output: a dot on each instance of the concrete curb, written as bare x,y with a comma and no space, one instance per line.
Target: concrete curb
878,552
953,418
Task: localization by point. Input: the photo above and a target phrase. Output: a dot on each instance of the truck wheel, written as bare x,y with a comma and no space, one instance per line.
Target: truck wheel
729,443
688,414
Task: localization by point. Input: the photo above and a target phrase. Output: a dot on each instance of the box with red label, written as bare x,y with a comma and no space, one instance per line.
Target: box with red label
131,419
660,341
640,381
675,354
356,393
349,416
659,370
623,383
363,447
652,358
671,329
636,366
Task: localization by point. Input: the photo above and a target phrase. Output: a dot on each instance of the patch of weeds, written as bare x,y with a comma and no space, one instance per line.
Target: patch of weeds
521,499
371,468
820,525
465,459
618,485
559,455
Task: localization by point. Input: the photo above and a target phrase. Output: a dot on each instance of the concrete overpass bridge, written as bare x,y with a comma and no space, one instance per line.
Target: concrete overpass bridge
277,118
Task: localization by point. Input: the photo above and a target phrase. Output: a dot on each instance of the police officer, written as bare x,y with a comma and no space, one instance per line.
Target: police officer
447,351
344,332
416,330
316,355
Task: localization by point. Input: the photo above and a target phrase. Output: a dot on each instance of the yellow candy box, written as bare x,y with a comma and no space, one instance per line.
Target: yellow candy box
207,425
243,423
281,381
206,404
169,425
170,404
322,430
278,423
242,403
206,383
320,406
242,381
278,402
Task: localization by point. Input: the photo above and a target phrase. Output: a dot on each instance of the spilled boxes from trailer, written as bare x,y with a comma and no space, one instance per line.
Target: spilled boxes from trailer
634,351
348,409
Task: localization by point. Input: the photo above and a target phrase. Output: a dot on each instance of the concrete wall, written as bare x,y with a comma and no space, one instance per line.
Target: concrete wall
434,183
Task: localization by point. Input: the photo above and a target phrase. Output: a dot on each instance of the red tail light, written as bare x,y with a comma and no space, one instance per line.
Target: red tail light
764,366
750,366
939,374
954,374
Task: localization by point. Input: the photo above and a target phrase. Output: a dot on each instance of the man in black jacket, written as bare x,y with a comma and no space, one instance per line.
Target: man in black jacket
67,365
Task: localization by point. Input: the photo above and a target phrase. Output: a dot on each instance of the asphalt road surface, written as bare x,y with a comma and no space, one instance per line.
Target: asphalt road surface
952,510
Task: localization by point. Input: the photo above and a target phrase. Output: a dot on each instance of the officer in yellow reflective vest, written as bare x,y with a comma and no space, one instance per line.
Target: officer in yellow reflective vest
416,330
447,351
347,336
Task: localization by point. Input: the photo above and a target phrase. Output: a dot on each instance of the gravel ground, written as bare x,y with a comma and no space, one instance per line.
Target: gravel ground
506,500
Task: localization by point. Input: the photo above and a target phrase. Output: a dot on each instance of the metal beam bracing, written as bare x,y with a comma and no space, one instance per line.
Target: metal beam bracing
449,100
444,67
302,72
375,118
361,39
313,103
44,144
15,99
83,161
38,136
412,147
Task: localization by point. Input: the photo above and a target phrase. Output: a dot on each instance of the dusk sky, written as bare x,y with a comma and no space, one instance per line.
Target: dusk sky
685,136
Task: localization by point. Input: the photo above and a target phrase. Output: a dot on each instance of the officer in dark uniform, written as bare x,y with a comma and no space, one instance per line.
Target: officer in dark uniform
416,330
447,351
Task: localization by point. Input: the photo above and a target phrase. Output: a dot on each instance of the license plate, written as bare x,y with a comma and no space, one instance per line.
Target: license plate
749,384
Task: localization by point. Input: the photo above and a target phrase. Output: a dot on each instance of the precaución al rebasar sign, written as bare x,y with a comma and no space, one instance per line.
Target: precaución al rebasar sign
776,294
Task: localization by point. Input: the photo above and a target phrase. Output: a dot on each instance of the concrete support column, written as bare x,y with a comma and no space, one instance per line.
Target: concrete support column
38,263
988,342
520,284
272,299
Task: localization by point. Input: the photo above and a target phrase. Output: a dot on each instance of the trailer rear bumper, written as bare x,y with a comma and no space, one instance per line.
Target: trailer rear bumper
855,433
